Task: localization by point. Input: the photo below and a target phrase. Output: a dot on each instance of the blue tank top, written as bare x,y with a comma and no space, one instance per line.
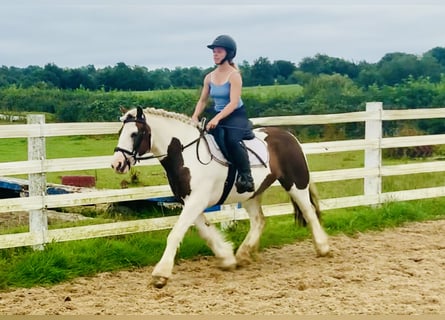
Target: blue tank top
221,95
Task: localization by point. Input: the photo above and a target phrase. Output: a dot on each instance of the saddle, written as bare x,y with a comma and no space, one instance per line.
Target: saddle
256,150
258,157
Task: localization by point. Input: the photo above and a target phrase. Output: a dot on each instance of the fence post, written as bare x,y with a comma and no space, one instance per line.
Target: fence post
373,154
38,220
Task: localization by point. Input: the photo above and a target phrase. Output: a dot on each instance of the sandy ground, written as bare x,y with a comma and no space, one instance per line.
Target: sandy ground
399,271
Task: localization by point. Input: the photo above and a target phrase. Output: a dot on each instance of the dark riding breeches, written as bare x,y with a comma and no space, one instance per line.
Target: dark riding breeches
230,133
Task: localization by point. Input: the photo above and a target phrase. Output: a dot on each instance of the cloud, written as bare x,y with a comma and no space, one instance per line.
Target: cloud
175,33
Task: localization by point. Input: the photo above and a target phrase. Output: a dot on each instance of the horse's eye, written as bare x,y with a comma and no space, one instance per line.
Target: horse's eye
134,134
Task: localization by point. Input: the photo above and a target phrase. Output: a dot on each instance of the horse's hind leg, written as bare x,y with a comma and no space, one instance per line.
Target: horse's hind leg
302,198
222,249
251,243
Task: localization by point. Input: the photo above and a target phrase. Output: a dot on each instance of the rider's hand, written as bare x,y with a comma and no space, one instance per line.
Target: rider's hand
195,119
212,124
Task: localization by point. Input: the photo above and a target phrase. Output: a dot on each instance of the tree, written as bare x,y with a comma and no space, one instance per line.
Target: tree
159,79
332,94
397,66
369,75
186,77
53,75
414,93
437,53
262,72
80,78
283,70
246,72
138,79
430,68
323,64
433,63
31,76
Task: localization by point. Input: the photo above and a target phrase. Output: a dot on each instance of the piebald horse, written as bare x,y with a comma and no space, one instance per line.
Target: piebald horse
197,180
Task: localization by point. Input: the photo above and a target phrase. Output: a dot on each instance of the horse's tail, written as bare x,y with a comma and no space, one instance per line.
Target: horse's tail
313,195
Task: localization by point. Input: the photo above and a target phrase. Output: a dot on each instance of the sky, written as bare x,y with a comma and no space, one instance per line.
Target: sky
174,33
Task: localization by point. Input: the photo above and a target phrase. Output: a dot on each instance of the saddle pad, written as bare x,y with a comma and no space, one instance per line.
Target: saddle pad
256,145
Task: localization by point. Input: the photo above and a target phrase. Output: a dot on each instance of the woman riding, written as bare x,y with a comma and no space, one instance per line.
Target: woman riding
229,123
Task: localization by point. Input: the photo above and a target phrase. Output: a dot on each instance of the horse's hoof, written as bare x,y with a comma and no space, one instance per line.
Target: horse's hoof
159,282
227,267
323,250
243,260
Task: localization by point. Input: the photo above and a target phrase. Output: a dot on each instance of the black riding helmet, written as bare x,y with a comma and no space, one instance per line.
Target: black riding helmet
227,43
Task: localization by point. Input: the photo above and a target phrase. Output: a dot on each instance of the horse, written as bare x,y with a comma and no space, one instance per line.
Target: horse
199,180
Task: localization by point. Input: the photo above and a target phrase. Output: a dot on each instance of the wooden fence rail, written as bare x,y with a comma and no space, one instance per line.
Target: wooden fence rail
37,202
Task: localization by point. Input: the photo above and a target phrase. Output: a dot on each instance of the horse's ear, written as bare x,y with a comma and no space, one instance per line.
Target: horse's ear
140,113
123,110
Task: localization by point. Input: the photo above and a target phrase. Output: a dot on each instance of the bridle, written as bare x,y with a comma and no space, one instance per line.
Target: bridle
140,136
136,143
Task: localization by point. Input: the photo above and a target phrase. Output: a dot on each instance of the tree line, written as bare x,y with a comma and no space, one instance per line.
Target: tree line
318,85
390,70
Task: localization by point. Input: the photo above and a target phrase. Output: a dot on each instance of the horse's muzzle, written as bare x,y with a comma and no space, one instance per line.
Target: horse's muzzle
121,164
119,168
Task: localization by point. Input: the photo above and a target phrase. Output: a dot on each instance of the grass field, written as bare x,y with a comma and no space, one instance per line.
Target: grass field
262,91
81,146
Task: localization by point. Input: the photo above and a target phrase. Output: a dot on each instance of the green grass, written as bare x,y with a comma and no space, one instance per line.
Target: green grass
13,149
269,92
82,146
16,149
261,91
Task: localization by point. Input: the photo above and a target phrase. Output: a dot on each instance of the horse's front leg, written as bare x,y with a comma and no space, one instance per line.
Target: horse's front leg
163,270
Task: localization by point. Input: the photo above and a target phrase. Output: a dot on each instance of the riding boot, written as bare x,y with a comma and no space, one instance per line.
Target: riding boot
244,181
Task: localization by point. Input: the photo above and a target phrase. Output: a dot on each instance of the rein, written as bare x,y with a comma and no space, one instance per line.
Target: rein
197,141
134,153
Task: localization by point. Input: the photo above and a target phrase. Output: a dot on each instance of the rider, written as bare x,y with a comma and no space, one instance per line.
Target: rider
229,124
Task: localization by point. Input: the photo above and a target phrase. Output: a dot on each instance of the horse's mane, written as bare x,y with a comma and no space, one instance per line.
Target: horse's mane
170,114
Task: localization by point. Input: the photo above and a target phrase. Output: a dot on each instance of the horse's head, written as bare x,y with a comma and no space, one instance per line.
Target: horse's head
134,140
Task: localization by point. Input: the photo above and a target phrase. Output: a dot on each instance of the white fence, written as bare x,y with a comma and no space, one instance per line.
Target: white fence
372,172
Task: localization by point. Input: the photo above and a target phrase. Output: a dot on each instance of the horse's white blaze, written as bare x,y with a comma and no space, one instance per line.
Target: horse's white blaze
125,142
302,198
